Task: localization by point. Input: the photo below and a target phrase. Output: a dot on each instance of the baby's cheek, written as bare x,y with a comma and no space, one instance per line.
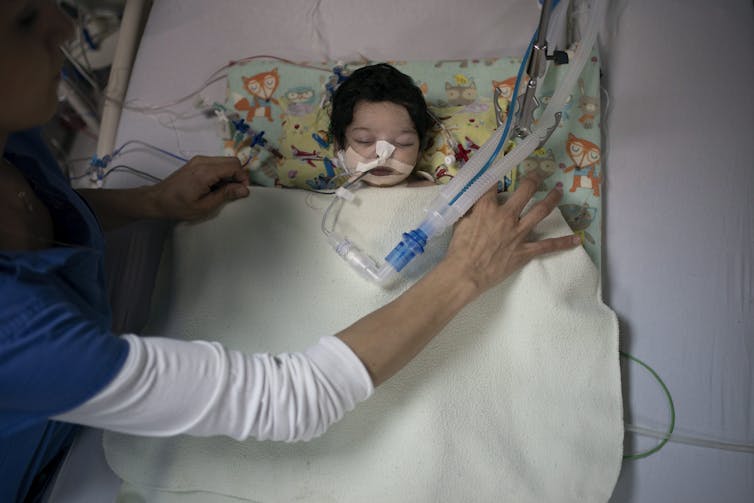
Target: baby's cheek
366,151
409,157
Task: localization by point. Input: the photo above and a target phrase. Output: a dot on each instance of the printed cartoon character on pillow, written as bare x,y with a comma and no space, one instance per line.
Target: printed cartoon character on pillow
586,158
261,87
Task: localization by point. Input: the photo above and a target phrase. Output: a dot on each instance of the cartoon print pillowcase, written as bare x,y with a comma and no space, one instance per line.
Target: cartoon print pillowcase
283,138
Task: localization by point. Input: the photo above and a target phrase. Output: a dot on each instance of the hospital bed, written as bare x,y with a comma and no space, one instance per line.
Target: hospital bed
678,230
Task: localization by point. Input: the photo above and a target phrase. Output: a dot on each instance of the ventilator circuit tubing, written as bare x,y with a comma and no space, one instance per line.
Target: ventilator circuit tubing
478,175
413,242
482,172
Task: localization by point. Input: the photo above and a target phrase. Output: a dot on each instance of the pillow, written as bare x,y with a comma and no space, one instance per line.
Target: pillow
285,107
289,104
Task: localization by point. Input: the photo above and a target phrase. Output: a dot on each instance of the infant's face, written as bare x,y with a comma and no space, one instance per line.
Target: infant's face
386,121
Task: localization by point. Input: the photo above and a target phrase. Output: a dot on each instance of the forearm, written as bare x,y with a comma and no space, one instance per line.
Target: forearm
117,207
169,387
194,191
488,244
387,339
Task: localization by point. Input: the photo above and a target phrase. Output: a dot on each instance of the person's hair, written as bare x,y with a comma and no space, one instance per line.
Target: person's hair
375,83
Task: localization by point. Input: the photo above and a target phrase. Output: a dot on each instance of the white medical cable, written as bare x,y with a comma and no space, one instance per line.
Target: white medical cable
339,197
216,76
690,440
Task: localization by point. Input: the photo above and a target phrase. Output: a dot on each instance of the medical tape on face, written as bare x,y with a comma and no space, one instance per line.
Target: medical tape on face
384,150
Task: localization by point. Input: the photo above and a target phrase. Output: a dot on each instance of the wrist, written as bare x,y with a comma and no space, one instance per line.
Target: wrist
457,286
149,202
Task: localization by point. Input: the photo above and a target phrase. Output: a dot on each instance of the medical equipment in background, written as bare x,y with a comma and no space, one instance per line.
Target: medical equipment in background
67,92
484,169
86,65
79,85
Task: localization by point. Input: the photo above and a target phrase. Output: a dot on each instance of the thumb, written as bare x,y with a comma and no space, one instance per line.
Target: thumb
235,191
216,198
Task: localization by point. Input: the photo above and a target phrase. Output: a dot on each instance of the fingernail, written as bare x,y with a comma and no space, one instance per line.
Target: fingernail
576,239
239,192
559,186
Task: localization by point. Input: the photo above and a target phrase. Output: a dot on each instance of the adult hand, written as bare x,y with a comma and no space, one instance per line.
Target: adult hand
490,242
199,187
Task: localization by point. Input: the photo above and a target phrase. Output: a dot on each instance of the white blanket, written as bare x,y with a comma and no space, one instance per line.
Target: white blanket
518,399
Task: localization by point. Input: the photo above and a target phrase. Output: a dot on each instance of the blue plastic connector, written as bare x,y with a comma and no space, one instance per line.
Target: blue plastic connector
240,125
98,162
257,139
412,245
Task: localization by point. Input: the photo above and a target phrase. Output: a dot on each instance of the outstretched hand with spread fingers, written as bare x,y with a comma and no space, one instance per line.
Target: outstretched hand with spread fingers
490,241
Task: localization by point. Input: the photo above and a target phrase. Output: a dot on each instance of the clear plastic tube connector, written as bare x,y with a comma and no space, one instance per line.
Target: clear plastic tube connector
362,263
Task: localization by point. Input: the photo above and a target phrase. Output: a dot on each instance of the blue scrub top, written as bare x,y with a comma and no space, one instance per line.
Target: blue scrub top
56,347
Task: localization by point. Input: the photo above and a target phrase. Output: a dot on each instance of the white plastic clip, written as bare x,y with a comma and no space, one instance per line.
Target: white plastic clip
223,125
344,193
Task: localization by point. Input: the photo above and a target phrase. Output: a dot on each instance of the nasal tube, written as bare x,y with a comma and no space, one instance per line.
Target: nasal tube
469,185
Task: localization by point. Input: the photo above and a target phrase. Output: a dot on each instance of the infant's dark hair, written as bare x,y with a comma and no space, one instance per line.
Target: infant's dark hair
374,83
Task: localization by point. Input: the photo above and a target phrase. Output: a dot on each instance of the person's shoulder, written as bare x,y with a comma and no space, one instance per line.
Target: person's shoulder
30,154
27,143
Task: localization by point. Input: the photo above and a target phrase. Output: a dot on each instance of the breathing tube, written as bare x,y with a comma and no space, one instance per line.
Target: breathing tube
480,173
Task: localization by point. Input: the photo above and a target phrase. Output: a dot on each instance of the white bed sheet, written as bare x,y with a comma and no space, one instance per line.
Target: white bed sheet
679,238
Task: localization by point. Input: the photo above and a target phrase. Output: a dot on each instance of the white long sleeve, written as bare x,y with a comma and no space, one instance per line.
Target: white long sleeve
168,387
